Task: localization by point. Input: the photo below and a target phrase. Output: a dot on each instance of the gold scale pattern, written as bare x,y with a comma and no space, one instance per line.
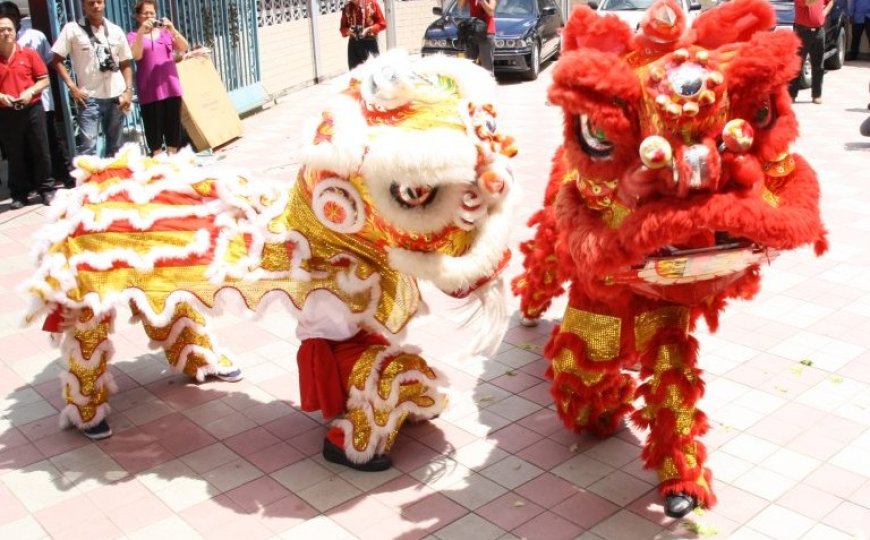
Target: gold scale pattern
88,340
389,369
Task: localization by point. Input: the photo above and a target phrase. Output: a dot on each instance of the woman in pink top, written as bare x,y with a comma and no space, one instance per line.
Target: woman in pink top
154,46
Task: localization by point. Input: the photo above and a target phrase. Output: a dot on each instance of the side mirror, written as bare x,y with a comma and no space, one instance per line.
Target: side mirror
437,10
593,4
548,10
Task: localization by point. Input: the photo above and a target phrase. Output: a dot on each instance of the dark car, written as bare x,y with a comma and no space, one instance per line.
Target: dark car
528,32
835,34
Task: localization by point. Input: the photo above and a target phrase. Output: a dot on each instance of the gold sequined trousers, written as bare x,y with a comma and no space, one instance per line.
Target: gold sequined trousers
387,386
589,352
591,391
86,349
187,342
671,391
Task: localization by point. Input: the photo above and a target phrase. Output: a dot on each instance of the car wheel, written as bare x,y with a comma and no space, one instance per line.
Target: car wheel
534,63
836,60
806,78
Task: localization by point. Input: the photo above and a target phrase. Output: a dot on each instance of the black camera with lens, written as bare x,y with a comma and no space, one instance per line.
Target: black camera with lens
105,60
158,23
357,30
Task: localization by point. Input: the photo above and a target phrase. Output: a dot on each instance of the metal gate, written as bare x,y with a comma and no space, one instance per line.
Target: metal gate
227,27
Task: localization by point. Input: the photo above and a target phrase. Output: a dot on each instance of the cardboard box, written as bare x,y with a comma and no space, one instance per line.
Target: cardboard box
207,113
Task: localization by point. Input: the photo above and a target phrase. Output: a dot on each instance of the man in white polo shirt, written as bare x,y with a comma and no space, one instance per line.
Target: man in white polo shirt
102,90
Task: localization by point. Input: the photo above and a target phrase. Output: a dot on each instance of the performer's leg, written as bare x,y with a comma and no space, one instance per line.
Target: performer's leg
86,348
189,345
674,386
590,390
371,389
387,386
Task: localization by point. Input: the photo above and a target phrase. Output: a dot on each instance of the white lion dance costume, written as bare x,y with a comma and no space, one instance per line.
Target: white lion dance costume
406,177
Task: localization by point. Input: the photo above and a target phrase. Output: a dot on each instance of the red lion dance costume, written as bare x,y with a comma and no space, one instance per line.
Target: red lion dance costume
405,177
673,185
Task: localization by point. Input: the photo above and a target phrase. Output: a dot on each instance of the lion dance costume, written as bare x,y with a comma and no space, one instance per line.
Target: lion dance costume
405,176
673,185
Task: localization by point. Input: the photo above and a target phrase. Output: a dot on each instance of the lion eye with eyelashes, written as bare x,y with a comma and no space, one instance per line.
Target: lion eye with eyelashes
409,196
765,115
592,139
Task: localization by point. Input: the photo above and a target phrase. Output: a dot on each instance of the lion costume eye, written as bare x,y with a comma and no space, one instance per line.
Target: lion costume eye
412,196
592,140
765,115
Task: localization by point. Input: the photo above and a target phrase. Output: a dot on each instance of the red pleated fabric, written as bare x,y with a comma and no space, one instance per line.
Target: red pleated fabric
325,367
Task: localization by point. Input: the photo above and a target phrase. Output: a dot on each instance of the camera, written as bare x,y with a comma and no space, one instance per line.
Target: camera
105,60
18,105
357,30
158,23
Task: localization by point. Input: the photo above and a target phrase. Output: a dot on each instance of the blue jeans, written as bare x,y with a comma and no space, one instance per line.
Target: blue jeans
97,113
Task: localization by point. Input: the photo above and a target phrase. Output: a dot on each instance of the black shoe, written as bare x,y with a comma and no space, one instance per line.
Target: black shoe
46,197
17,205
334,454
678,505
100,431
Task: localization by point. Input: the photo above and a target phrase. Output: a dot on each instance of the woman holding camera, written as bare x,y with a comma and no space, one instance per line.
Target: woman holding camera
23,77
155,44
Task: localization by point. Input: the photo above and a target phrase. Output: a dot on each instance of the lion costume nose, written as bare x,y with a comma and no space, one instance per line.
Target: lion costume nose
695,167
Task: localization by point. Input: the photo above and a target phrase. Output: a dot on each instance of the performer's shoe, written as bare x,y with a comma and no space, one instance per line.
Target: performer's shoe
17,204
334,454
46,197
100,431
678,505
233,376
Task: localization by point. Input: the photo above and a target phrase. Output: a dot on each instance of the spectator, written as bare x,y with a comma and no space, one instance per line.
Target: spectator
485,11
103,87
809,25
361,20
30,38
865,125
154,46
23,76
859,15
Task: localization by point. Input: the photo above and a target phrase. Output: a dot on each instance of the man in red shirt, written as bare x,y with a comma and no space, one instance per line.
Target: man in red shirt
23,77
485,11
361,20
809,25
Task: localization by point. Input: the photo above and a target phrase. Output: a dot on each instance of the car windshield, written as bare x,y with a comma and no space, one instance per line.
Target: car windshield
625,5
504,8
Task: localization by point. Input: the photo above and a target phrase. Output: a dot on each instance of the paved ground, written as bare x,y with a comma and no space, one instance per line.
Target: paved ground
790,443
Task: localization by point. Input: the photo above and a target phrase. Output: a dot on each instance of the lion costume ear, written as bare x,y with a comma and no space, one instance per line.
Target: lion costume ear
733,22
586,30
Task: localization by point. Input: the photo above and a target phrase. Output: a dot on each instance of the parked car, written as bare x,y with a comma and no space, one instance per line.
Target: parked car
836,26
632,11
528,33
